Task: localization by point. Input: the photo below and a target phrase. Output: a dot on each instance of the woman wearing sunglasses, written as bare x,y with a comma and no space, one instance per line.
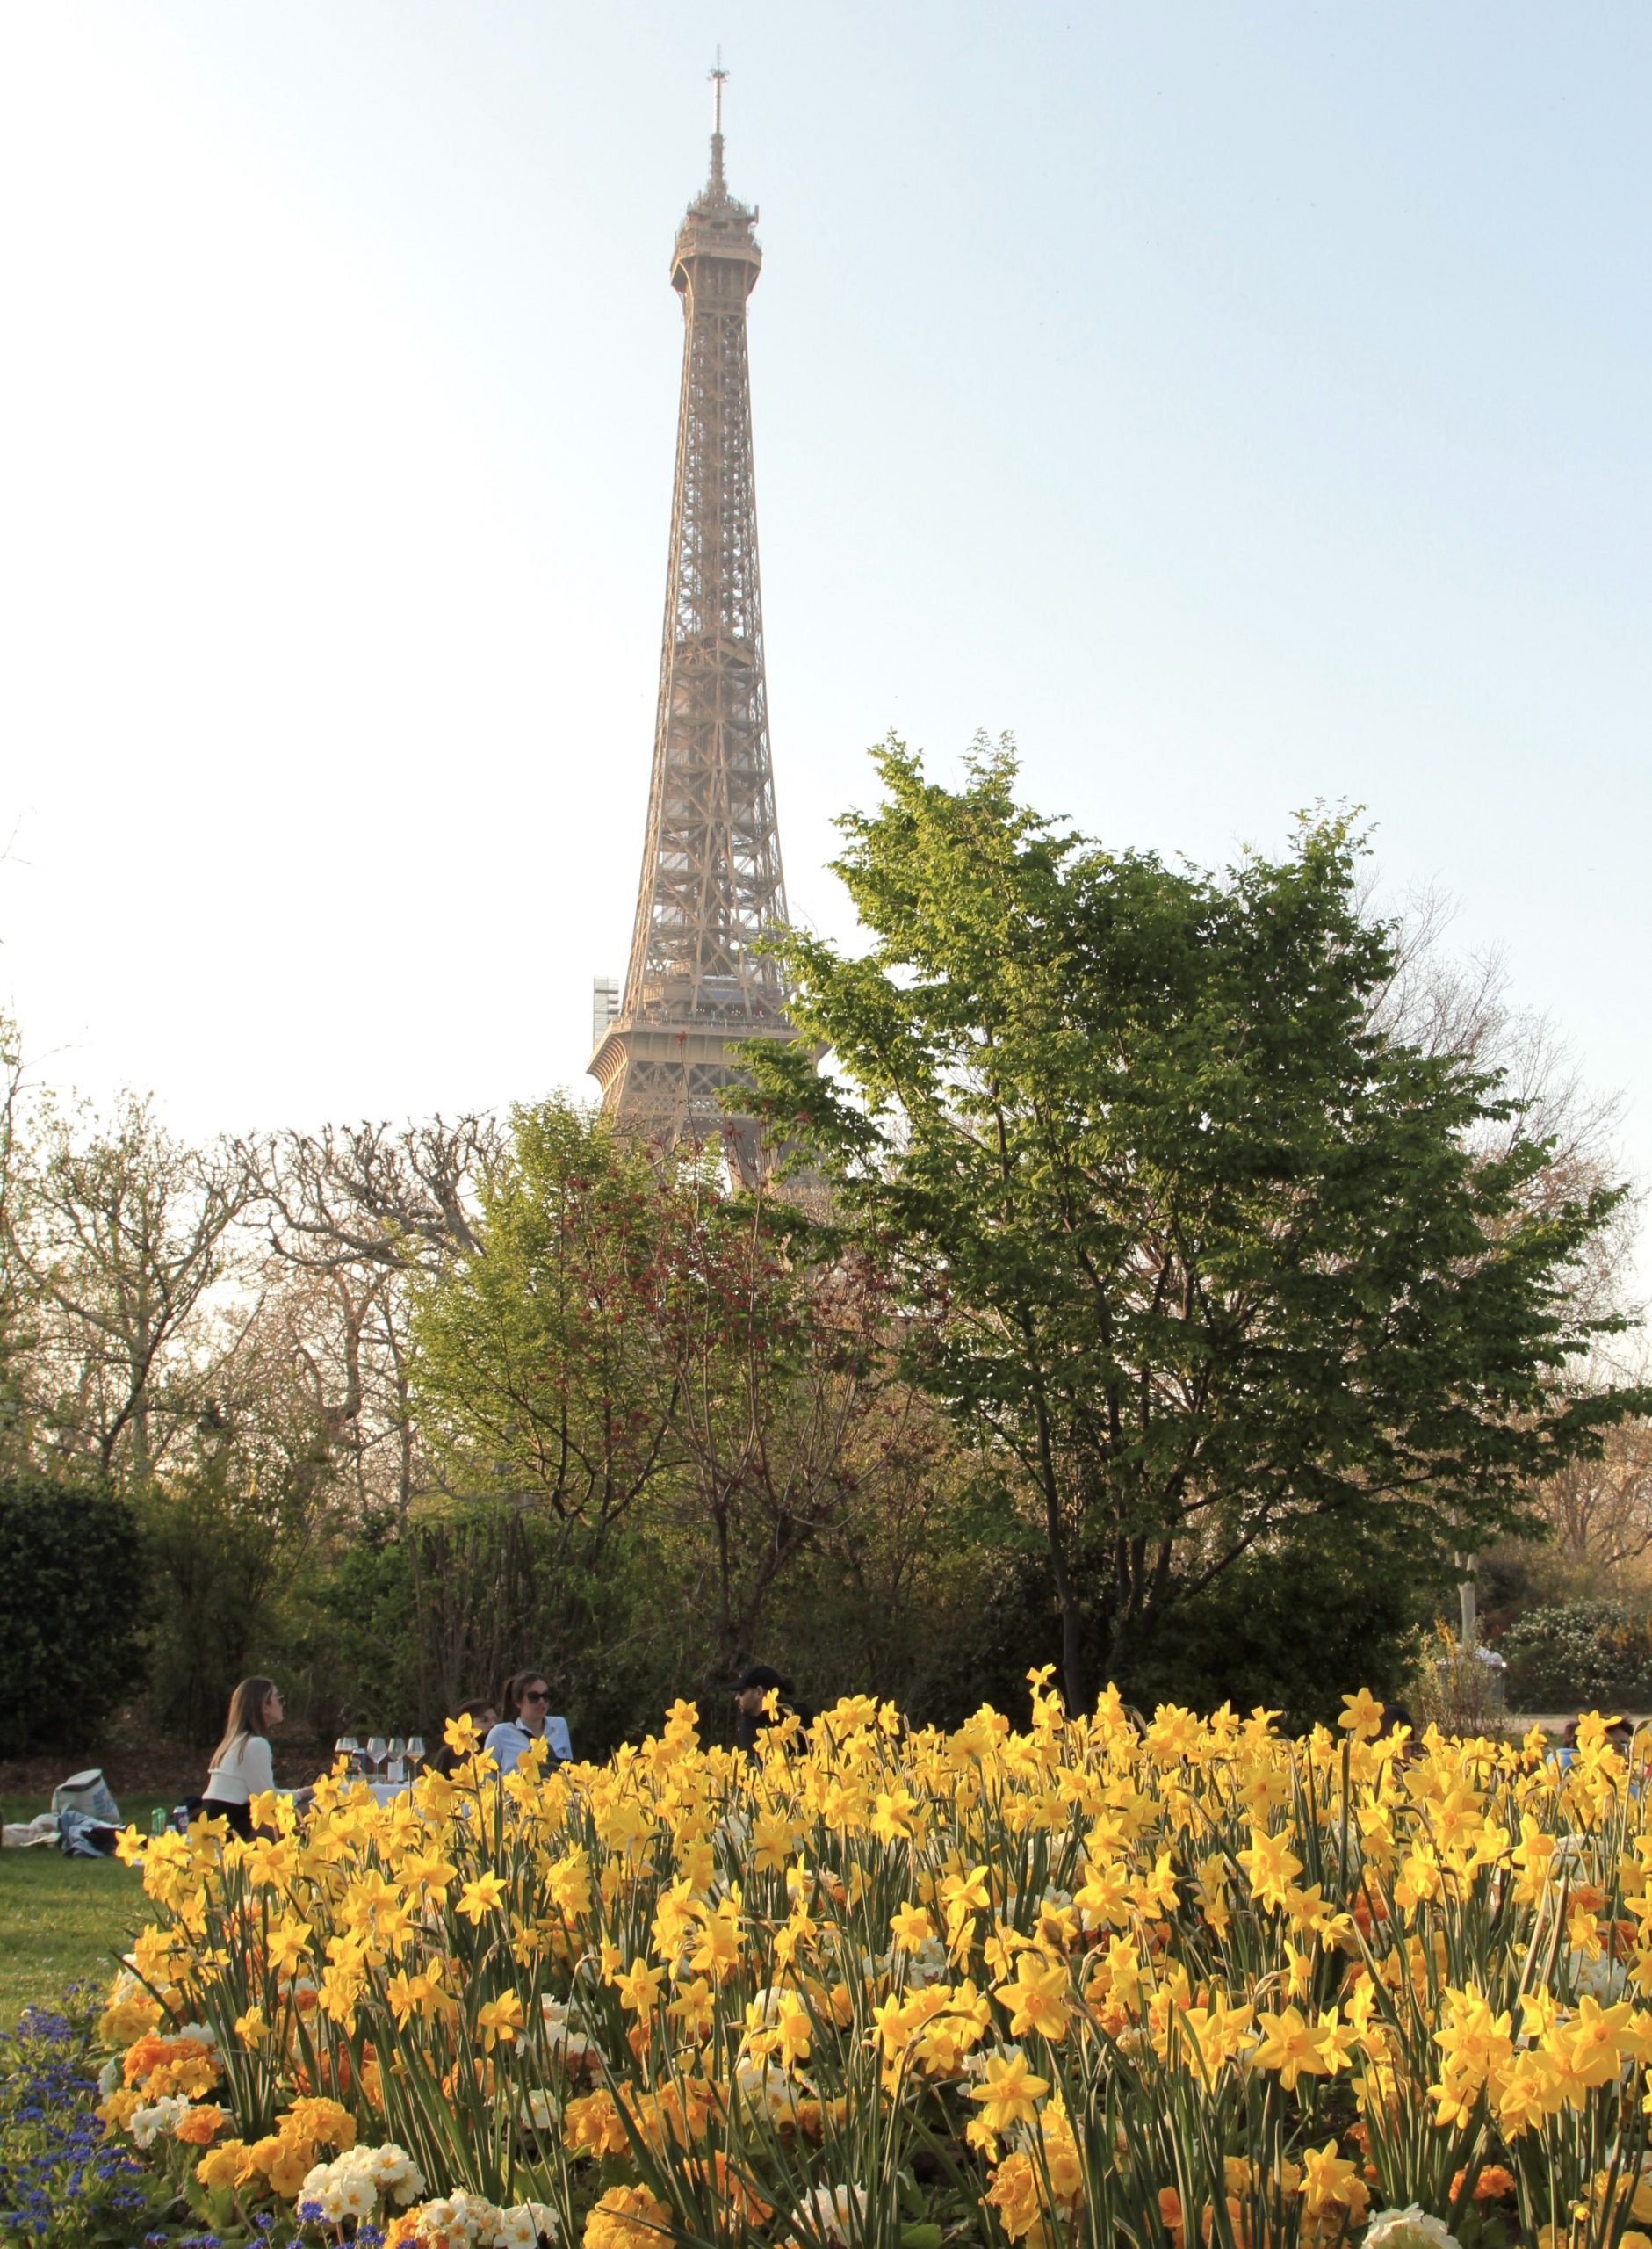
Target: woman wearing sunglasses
527,1706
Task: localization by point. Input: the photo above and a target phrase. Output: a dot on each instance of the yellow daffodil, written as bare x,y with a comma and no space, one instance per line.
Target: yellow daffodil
1009,2092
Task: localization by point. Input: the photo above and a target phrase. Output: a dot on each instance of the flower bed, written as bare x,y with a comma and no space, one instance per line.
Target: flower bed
63,2181
1088,1983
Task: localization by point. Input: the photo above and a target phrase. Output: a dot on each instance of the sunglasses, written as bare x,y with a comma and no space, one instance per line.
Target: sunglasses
535,1695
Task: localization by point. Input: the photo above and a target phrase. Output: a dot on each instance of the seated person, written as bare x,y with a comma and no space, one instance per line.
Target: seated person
751,1691
527,1700
482,1715
242,1763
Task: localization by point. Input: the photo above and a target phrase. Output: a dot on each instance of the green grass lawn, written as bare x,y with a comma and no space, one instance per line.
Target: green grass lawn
61,1918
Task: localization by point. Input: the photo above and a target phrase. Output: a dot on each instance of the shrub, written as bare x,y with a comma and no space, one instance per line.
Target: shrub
1284,1622
235,1546
404,1626
71,1613
1578,1655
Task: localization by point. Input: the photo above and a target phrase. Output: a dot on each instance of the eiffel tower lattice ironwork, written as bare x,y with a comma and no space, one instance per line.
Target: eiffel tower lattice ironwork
697,984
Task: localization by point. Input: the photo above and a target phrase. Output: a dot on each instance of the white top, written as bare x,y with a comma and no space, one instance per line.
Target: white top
508,1741
247,1767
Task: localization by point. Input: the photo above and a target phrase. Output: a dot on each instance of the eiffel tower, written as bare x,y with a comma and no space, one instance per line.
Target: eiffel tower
711,883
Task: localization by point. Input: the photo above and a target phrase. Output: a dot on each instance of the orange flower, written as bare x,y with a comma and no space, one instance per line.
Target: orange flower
199,2126
732,2190
593,2122
1491,2185
627,2217
1170,2215
1239,2223
143,2054
319,2119
331,2071
1367,1909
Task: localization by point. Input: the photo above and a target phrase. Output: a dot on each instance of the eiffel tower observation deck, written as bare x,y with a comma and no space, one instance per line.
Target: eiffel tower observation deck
712,885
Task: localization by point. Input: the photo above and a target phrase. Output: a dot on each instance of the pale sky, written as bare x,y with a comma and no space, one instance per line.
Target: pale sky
1242,405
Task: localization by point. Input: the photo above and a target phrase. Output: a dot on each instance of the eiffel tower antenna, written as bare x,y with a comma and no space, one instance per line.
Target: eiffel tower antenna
697,985
717,74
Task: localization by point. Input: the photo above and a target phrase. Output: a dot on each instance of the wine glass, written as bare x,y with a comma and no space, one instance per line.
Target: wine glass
349,1748
376,1749
396,1770
415,1751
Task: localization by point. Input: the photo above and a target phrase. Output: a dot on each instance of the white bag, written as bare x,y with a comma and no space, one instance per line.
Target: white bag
28,1834
87,1792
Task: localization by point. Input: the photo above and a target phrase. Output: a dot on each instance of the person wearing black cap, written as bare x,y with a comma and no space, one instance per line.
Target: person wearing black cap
750,1689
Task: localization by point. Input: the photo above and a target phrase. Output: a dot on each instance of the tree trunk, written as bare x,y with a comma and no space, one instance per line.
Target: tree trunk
1072,1678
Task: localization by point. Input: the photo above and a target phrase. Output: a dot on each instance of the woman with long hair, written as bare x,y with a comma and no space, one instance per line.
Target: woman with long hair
527,1704
242,1763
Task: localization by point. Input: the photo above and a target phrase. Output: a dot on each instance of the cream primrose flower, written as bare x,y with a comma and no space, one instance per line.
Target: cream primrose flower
467,2215
541,2110
768,2092
558,2025
318,2200
927,1965
827,2216
930,1964
353,2183
356,2193
109,2077
156,2118
1049,1896
394,2170
1411,2227
524,2225
1603,1981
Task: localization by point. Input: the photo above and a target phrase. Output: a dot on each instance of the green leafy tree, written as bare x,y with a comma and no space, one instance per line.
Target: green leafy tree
538,1364
652,1363
787,1424
249,1512
1210,1258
